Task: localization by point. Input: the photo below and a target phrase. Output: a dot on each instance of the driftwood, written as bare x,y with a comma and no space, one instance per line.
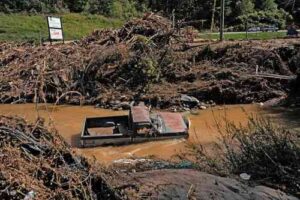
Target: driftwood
138,62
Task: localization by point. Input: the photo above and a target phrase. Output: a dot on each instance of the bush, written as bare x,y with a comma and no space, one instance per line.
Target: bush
259,18
270,154
124,9
100,7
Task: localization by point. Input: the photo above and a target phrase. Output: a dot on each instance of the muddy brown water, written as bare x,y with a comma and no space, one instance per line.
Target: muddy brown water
68,120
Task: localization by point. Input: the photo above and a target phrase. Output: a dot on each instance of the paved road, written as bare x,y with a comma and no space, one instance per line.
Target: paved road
243,32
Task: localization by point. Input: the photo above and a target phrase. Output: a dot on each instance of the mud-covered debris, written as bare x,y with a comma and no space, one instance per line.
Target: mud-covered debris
145,60
38,164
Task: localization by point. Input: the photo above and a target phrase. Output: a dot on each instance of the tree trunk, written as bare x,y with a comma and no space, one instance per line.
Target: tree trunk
212,26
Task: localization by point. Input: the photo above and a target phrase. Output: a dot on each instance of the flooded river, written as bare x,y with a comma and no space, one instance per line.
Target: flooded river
68,120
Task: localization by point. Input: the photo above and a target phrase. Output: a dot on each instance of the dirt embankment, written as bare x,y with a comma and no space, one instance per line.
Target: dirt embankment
163,181
145,60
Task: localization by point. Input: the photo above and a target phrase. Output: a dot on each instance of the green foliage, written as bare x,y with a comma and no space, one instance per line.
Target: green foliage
99,6
245,7
124,9
32,6
149,68
261,12
266,5
76,5
261,18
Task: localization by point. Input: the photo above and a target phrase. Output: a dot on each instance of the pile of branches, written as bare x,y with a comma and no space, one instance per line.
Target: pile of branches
232,80
123,61
145,60
277,60
37,164
150,25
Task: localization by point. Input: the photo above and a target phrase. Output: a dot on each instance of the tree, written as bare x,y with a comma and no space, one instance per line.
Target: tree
245,7
266,5
100,6
76,5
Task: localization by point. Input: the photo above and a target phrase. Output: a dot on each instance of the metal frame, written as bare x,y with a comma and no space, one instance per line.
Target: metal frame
62,29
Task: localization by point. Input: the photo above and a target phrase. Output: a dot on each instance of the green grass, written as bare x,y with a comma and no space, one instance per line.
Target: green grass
21,27
242,36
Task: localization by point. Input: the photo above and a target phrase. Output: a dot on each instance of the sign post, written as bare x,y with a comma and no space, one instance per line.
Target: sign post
55,29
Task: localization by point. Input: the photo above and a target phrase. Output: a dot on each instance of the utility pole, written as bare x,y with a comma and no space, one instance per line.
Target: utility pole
173,18
222,20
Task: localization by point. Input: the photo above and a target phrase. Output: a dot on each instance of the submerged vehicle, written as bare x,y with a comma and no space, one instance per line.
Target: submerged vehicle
139,125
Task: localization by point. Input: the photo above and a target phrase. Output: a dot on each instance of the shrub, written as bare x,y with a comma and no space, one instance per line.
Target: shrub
270,154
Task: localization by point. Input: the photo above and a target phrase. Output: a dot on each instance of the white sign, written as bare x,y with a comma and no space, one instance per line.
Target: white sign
54,22
56,34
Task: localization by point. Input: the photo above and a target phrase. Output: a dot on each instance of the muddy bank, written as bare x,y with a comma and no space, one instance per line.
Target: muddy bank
191,184
145,61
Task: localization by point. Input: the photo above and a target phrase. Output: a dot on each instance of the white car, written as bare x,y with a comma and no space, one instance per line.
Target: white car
254,29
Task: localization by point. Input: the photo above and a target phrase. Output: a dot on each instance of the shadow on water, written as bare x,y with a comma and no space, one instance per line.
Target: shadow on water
75,140
286,117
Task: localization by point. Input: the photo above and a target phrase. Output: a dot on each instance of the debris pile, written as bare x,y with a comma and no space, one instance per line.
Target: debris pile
145,60
149,26
234,81
37,164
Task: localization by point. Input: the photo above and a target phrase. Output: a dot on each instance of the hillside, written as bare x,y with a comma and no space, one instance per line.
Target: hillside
23,27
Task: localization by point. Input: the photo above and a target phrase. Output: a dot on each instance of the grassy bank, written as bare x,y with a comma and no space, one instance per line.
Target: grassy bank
19,27
242,36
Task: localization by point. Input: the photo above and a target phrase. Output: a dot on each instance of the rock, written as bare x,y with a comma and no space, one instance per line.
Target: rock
186,109
202,104
203,107
189,100
211,102
194,112
116,108
125,105
123,98
176,184
245,176
30,195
